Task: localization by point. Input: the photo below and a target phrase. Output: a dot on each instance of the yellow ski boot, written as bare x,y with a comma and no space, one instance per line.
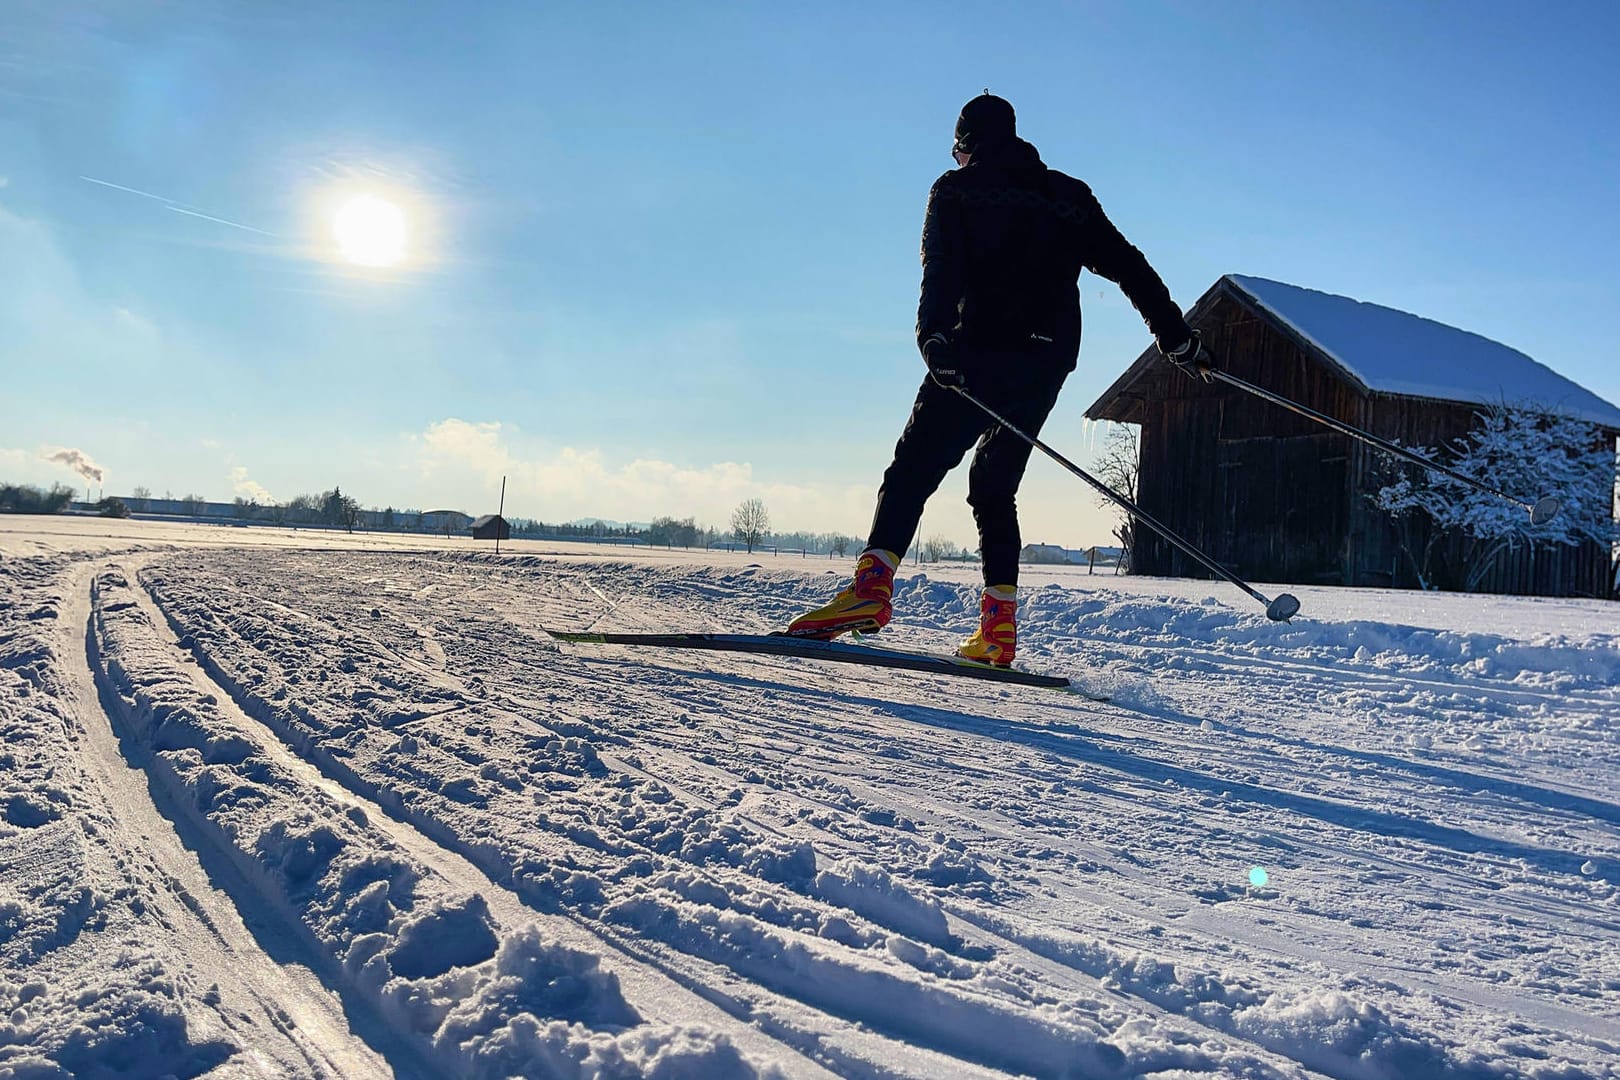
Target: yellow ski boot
996,639
864,606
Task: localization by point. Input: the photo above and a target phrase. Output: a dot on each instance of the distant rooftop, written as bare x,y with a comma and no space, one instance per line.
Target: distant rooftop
1394,352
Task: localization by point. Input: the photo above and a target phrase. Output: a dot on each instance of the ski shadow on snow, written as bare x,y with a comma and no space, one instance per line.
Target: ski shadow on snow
1463,780
1079,743
1085,747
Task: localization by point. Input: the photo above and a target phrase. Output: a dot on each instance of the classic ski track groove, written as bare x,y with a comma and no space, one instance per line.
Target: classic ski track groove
290,1000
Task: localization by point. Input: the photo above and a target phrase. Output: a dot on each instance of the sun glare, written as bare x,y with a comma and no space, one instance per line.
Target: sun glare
370,231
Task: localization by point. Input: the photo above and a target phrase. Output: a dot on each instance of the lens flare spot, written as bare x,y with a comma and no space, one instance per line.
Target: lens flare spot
1258,876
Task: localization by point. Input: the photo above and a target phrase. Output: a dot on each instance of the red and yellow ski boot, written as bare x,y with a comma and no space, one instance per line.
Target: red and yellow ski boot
996,639
864,606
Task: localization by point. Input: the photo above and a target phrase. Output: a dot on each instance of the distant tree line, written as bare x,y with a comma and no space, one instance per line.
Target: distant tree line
27,499
582,530
750,523
673,532
331,508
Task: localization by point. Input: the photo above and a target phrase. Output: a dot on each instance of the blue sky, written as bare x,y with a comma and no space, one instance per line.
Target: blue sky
664,257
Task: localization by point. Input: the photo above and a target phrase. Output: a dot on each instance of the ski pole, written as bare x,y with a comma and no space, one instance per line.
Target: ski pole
1283,608
1542,510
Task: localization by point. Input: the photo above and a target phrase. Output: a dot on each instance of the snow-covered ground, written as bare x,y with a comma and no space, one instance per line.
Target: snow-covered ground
302,804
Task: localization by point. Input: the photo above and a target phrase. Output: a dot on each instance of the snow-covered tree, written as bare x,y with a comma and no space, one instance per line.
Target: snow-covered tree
1454,533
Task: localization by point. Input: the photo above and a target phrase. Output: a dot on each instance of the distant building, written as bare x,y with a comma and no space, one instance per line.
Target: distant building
186,508
446,521
1049,554
1054,555
491,527
1277,497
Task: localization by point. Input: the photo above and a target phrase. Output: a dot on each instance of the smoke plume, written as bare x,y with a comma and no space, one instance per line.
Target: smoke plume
78,461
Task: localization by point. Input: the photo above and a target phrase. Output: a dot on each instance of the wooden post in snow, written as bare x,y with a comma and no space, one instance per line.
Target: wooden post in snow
500,517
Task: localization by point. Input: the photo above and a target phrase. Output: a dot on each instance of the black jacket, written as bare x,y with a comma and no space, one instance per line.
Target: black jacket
1003,244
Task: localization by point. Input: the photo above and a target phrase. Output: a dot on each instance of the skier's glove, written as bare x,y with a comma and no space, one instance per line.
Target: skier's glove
1193,359
940,356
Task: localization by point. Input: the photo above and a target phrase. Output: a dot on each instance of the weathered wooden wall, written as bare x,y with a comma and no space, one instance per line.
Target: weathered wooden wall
1260,489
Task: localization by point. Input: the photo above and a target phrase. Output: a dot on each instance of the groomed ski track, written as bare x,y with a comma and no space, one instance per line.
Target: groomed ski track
654,998
260,978
755,866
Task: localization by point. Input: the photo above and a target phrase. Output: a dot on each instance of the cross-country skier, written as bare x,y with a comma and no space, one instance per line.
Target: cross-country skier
1003,244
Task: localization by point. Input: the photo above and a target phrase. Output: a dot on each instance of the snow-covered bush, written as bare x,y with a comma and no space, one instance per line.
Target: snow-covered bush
1454,533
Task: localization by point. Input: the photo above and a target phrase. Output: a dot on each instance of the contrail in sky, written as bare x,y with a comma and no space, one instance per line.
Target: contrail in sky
222,221
132,191
179,208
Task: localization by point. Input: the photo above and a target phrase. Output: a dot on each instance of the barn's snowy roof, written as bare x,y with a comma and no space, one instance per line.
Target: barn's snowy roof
1393,352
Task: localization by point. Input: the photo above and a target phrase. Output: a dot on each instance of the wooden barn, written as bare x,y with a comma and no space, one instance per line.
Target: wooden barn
491,527
1277,497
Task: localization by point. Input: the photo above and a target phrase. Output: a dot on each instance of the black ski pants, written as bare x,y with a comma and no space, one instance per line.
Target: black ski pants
1022,386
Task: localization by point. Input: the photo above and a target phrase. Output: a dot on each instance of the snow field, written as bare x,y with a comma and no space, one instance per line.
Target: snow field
689,865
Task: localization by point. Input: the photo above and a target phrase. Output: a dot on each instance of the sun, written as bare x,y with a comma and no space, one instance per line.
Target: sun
370,231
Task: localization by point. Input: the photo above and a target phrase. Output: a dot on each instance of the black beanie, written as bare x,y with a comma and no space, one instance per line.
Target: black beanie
985,119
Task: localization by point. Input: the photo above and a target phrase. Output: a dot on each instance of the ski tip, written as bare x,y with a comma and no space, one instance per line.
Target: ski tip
1285,607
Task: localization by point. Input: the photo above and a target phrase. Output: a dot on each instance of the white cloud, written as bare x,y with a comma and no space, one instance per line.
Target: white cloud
462,463
248,488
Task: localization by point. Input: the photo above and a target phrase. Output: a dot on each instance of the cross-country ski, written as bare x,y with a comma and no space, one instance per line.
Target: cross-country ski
811,649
